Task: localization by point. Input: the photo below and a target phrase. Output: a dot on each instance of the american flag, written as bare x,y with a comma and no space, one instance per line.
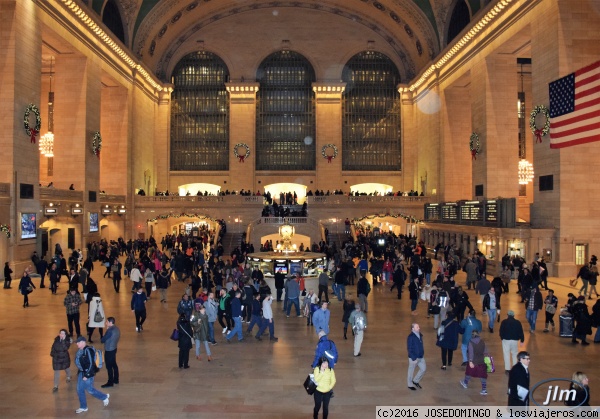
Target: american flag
575,108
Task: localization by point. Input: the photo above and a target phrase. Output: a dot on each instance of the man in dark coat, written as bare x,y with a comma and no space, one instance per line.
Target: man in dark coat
518,381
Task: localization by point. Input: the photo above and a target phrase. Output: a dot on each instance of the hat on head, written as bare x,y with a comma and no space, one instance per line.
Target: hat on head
81,339
511,313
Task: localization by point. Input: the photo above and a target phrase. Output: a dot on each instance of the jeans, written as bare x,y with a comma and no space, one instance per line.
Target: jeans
413,304
211,331
321,398
140,317
111,366
340,291
293,301
491,317
87,385
73,318
428,278
463,348
531,318
254,320
206,347
597,335
267,323
237,328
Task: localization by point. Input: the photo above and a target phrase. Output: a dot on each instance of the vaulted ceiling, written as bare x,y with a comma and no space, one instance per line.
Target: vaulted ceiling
413,31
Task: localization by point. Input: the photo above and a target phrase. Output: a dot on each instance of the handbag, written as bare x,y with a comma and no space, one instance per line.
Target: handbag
29,288
489,362
98,316
573,282
550,308
309,385
175,334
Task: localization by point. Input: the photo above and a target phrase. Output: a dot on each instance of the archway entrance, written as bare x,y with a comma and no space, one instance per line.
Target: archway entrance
277,189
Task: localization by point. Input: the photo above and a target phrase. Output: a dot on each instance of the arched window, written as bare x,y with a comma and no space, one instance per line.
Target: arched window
371,107
285,113
459,20
200,114
112,19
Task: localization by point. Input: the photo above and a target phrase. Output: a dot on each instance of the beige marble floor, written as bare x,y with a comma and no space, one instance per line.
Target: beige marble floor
255,379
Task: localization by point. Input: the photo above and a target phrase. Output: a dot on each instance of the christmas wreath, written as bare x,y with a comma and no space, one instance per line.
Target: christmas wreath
328,156
474,146
539,132
5,229
97,143
32,132
239,156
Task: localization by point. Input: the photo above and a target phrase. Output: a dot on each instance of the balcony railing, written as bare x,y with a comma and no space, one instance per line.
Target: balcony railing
51,194
111,199
344,199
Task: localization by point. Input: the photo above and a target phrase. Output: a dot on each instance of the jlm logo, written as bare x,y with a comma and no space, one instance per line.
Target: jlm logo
550,392
555,394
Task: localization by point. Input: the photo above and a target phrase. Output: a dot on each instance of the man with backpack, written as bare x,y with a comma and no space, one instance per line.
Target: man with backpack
85,359
325,348
358,320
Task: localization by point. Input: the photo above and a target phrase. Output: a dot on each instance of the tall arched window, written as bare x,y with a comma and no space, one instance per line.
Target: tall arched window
285,114
112,19
200,114
459,20
371,124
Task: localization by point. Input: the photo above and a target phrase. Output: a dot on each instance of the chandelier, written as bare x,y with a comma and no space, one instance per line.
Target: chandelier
47,140
525,172
286,232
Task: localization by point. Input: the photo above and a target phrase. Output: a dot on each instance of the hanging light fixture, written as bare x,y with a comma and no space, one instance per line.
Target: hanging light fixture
525,172
47,140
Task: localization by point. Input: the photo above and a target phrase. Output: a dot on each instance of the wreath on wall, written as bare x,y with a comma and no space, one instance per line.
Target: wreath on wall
97,143
241,157
539,132
474,146
5,229
32,131
328,156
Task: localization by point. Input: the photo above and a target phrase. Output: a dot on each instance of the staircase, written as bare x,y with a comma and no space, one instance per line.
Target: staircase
337,238
230,241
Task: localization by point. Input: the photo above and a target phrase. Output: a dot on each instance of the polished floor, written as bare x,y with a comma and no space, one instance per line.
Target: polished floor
254,379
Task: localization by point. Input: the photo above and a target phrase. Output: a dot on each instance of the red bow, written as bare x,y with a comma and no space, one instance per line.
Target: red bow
473,154
33,132
538,135
329,159
242,158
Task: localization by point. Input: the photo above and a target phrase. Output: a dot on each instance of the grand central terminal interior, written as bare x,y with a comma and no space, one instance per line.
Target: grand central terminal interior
464,122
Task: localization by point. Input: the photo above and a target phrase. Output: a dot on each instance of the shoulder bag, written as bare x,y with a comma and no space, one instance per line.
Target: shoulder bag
309,385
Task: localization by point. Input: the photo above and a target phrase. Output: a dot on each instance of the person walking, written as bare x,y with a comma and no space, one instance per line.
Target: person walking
211,307
116,271
110,341
136,277
551,306
256,309
323,285
416,353
321,318
199,322
138,307
324,377
72,304
447,338
325,348
467,326
236,315
26,287
185,342
84,359
491,306
579,383
61,360
533,304
518,381
7,276
267,320
363,288
358,320
413,290
476,367
163,281
96,317
511,332
292,293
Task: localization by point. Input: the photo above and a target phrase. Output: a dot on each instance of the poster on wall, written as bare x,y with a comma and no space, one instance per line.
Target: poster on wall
28,225
93,222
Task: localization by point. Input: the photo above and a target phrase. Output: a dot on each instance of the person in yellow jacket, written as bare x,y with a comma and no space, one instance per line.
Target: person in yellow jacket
325,379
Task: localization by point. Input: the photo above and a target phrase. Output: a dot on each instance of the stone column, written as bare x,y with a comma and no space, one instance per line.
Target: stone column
162,139
242,129
328,98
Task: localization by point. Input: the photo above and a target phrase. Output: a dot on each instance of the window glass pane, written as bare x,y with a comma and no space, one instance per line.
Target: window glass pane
285,113
371,121
200,114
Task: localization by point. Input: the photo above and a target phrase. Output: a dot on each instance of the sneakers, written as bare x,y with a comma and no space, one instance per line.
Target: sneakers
224,330
54,389
137,329
81,410
483,392
108,384
257,338
274,339
105,401
462,383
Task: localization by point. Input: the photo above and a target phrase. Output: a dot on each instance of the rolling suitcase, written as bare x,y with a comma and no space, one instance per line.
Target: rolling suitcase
565,326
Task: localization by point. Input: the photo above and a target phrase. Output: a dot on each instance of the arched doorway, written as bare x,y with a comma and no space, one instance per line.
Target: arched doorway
276,189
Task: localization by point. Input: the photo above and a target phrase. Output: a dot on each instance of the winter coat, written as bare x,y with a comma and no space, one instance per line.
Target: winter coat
61,360
451,331
185,341
96,303
199,323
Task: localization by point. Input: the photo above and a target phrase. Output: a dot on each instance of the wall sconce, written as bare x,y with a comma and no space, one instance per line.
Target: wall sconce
479,241
50,210
106,210
121,209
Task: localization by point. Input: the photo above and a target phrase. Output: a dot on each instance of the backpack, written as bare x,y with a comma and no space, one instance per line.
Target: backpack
98,361
332,352
359,324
